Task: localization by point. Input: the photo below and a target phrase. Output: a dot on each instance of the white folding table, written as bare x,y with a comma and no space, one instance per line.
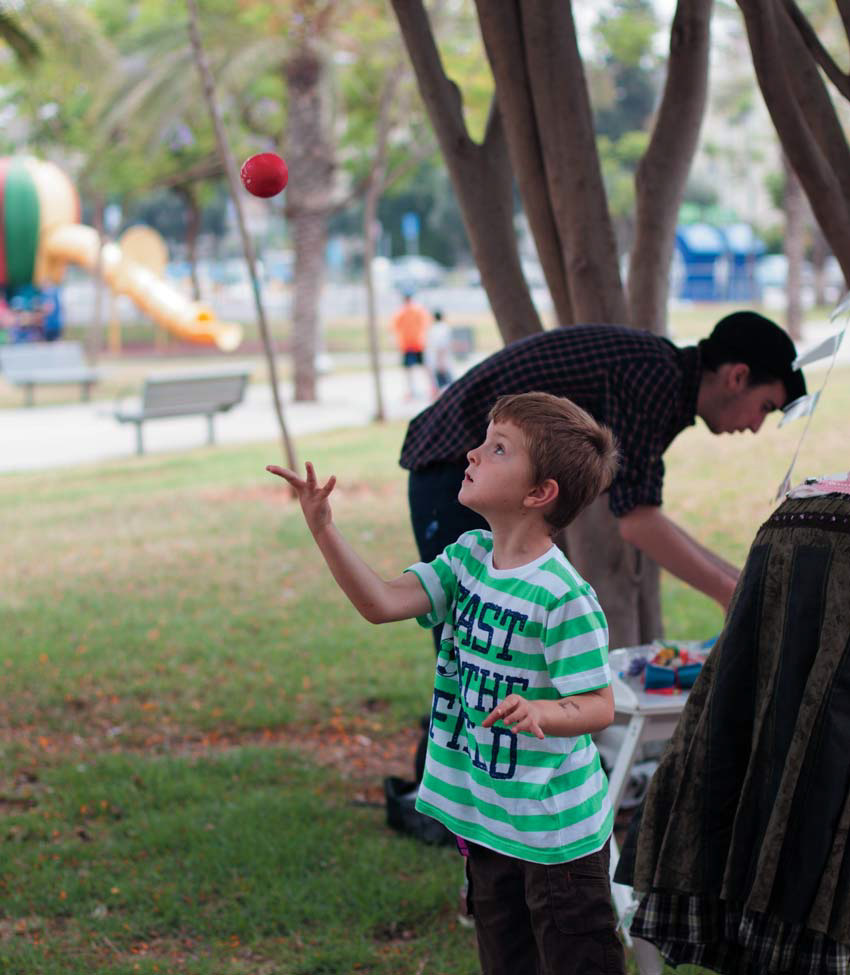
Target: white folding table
648,717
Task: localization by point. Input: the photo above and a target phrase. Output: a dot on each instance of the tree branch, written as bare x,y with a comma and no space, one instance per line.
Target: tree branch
816,48
378,168
823,187
844,12
815,103
210,168
501,31
229,165
439,93
663,171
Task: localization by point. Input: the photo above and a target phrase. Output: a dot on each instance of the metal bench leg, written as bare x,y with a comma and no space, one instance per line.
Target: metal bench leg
140,446
29,394
210,429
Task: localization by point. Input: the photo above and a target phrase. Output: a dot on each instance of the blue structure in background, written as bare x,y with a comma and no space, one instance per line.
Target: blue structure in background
701,248
714,264
743,249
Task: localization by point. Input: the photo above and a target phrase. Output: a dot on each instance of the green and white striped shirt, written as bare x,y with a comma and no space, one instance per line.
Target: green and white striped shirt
536,630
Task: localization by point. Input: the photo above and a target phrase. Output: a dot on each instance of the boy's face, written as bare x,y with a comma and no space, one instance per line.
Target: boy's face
498,473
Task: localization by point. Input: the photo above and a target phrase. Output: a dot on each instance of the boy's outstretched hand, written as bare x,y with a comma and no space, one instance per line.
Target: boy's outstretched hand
314,499
517,711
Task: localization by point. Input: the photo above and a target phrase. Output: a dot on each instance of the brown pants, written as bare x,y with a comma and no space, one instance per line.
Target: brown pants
533,919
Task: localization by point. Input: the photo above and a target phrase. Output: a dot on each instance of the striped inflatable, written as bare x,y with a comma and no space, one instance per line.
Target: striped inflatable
35,196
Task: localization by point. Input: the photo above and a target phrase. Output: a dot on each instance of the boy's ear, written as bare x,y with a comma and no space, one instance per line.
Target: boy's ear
542,495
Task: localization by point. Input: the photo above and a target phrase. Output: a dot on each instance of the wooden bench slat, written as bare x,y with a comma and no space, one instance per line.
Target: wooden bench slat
186,395
31,364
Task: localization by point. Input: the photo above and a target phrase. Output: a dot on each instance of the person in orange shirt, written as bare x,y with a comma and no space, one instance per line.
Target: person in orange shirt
410,324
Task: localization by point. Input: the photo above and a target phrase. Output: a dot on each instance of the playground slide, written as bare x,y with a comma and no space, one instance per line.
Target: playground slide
78,244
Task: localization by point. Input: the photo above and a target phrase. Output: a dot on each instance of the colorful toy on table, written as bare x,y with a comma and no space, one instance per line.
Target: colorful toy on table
672,669
636,667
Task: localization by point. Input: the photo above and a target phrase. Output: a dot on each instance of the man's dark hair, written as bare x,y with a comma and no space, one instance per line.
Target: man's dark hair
758,342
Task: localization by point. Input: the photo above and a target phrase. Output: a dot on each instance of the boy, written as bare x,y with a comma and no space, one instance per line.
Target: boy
522,680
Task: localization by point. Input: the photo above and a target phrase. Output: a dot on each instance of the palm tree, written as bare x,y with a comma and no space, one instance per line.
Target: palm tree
32,30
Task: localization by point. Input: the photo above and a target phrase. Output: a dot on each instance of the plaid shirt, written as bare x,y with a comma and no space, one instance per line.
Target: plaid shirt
641,386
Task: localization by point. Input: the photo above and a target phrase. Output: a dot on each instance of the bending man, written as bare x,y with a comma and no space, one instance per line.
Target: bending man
644,388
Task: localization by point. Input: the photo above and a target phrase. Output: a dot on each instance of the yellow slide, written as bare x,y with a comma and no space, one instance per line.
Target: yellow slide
195,322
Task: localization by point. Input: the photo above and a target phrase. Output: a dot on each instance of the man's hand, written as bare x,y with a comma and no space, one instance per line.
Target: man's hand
314,499
516,710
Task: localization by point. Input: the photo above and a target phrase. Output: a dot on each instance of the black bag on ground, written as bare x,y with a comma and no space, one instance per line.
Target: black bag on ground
402,815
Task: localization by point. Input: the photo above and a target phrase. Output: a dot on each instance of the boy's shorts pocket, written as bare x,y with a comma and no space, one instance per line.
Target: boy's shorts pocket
580,894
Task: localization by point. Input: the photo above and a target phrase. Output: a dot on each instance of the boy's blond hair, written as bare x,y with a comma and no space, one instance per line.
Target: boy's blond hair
565,444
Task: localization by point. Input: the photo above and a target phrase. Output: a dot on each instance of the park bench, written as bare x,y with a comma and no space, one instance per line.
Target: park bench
31,364
462,341
190,394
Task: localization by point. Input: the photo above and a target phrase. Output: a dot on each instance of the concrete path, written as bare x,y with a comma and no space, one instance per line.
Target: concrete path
42,437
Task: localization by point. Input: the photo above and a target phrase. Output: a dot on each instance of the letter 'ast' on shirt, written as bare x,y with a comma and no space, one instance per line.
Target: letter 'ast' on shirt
536,630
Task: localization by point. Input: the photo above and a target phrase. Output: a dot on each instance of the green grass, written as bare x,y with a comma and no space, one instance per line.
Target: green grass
172,654
187,584
218,864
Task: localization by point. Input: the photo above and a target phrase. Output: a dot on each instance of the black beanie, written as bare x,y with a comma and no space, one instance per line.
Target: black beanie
746,336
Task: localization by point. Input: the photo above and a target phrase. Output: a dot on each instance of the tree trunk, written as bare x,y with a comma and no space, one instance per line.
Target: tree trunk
795,242
374,188
311,167
308,240
481,177
564,123
625,580
820,252
544,129
94,337
193,229
370,212
534,56
663,171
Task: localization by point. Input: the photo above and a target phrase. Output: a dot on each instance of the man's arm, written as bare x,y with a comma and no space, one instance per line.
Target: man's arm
376,599
649,529
578,714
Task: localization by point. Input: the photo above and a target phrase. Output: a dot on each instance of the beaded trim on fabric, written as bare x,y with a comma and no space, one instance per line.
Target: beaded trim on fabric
809,519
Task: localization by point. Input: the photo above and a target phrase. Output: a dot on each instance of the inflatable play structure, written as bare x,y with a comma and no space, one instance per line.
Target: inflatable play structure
40,234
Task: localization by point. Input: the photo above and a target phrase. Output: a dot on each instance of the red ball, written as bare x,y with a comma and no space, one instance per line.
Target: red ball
265,174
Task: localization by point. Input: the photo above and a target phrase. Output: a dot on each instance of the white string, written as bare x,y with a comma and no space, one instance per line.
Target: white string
844,305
